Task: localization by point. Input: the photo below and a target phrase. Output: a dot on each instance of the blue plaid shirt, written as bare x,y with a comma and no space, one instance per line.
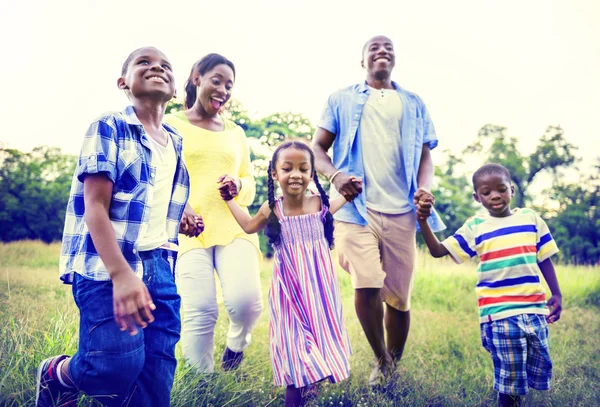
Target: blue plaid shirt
117,145
342,116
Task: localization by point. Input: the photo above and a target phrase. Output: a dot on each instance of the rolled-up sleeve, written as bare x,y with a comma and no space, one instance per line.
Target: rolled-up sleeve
329,120
429,136
99,151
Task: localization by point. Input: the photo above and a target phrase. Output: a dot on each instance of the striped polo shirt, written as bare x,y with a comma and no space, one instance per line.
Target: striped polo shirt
509,250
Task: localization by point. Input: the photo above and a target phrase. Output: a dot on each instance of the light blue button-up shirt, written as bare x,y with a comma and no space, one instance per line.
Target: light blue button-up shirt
342,116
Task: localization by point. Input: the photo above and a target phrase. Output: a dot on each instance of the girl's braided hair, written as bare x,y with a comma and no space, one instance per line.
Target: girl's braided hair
273,228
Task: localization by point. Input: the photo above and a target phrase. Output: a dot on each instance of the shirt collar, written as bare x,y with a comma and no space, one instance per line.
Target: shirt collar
130,116
364,88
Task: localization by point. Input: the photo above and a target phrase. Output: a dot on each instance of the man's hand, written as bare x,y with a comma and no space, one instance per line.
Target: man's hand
229,187
132,304
555,305
191,223
348,186
424,195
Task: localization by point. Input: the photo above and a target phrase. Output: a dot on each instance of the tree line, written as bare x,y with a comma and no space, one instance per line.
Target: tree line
35,185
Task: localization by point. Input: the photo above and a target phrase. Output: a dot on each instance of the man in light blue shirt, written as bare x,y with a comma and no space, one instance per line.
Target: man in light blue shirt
383,134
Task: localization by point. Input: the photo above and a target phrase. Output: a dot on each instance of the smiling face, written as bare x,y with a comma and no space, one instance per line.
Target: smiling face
378,57
214,88
293,171
148,75
494,191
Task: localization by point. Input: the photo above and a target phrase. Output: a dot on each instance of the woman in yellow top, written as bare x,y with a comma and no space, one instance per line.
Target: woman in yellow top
214,147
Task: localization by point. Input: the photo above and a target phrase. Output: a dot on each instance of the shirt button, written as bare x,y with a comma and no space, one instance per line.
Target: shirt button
93,158
134,251
356,116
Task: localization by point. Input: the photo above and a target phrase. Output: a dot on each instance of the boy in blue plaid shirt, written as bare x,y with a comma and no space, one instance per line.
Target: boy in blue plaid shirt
119,248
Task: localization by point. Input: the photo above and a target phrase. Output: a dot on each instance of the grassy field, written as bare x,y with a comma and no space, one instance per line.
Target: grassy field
444,363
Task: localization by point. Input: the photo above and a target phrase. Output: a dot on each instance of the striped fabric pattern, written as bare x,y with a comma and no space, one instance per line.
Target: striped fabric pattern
117,145
509,250
308,336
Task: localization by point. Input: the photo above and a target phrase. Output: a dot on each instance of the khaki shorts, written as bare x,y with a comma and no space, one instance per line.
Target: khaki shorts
380,255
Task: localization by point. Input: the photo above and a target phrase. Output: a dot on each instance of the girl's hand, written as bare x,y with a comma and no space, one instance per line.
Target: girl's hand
347,186
230,187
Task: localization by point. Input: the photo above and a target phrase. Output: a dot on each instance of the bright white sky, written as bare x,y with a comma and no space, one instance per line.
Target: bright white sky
520,64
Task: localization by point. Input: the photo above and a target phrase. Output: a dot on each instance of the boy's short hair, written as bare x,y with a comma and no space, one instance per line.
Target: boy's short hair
125,66
491,168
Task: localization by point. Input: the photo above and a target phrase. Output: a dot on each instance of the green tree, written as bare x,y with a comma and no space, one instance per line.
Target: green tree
552,154
35,189
575,223
453,194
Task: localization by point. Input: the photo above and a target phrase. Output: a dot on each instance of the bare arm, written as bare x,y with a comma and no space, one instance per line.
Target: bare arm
131,300
322,142
337,203
250,224
555,302
433,244
424,176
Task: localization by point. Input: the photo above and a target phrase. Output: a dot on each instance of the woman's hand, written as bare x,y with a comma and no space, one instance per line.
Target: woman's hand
229,187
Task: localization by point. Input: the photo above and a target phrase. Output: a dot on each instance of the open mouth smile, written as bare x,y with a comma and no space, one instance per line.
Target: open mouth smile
156,78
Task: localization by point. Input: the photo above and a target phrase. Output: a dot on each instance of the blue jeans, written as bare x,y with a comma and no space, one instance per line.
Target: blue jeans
114,367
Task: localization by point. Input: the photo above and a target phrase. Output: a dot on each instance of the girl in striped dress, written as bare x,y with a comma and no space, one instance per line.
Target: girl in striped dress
308,337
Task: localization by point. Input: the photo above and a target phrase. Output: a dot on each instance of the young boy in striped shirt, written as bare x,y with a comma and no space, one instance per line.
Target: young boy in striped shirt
514,246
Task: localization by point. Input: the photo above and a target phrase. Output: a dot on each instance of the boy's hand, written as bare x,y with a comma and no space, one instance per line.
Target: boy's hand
191,223
555,305
424,210
423,194
230,187
132,303
348,186
424,201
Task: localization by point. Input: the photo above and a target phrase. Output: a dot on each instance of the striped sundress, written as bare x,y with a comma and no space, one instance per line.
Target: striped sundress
309,341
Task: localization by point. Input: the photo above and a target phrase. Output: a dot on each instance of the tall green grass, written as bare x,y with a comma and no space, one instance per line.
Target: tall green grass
444,363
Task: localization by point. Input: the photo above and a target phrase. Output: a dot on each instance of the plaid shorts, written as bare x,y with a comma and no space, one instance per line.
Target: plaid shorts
519,349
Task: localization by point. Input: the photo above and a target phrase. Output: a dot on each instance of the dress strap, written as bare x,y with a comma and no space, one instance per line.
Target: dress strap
279,207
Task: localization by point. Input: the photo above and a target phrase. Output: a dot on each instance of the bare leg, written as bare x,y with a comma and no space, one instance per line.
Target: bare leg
369,309
294,396
397,325
64,372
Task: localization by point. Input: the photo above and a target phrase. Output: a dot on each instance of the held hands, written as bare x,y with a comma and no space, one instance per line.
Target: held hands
191,223
424,201
347,185
555,305
132,304
229,187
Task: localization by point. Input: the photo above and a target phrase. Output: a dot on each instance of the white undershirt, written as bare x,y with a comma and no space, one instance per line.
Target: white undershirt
381,142
164,161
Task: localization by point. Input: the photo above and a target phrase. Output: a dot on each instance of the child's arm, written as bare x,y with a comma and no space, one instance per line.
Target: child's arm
132,303
433,244
337,203
555,302
250,224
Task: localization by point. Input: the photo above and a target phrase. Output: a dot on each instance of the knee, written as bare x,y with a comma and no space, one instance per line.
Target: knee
244,306
105,374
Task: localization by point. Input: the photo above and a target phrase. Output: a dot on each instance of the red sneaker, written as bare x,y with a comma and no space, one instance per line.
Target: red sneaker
49,392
